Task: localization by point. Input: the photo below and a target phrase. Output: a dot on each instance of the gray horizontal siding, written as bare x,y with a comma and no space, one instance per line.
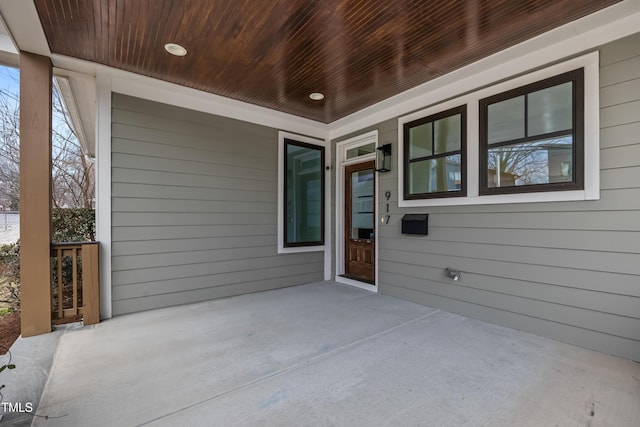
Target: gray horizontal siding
574,259
208,169
149,247
182,231
155,218
565,270
177,192
186,179
553,293
192,282
194,209
538,324
206,292
627,134
148,272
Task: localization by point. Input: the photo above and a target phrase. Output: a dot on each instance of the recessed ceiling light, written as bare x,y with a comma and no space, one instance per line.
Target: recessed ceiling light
175,49
316,96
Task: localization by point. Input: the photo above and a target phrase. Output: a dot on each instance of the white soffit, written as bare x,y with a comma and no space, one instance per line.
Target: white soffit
169,93
81,109
152,89
8,52
23,23
79,93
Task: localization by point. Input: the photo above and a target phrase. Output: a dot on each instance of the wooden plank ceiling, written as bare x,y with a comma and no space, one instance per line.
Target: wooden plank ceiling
274,53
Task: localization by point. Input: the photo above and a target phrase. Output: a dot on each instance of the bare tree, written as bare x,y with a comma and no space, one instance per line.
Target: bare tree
522,163
72,171
527,163
9,147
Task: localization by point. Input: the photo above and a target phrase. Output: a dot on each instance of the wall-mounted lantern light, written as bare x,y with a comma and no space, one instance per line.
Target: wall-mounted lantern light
383,158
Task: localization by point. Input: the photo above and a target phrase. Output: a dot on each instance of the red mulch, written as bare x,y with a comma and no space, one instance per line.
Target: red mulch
9,331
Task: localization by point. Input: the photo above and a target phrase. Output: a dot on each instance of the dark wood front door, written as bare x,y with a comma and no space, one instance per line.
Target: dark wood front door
359,227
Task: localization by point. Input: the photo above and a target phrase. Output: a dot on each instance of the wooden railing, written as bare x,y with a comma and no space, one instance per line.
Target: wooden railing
75,292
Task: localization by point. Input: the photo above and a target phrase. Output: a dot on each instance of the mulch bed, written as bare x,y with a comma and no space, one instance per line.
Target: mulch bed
9,331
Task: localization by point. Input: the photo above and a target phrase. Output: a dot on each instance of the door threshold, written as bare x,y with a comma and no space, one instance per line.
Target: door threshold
370,287
350,277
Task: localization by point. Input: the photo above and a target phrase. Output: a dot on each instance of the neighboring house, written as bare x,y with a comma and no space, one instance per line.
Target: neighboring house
194,202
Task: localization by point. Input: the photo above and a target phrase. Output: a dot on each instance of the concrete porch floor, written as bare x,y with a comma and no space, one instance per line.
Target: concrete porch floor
327,354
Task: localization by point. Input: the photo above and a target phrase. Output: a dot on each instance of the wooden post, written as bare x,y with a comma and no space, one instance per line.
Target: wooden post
90,284
35,193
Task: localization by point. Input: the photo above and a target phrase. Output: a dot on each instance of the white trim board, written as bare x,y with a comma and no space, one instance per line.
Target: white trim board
103,191
327,210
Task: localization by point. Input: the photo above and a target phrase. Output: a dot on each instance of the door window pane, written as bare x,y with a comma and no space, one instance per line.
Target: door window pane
506,120
304,194
550,110
362,209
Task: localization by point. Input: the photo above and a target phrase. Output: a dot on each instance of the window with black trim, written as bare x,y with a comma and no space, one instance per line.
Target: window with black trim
435,155
531,138
303,194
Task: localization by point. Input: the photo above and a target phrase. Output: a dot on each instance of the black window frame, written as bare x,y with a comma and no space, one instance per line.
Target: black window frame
286,143
406,129
577,133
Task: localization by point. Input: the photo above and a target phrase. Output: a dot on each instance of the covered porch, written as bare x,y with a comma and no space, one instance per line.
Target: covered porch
209,318
328,354
192,188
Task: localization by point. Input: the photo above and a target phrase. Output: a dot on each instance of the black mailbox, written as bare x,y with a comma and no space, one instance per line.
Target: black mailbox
415,224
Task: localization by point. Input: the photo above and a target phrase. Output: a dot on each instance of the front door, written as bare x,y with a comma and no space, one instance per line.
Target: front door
360,223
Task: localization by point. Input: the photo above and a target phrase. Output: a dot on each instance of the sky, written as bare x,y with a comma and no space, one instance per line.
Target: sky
9,79
10,83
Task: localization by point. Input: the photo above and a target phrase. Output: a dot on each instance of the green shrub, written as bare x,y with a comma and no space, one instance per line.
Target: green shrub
73,225
68,225
10,260
10,276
